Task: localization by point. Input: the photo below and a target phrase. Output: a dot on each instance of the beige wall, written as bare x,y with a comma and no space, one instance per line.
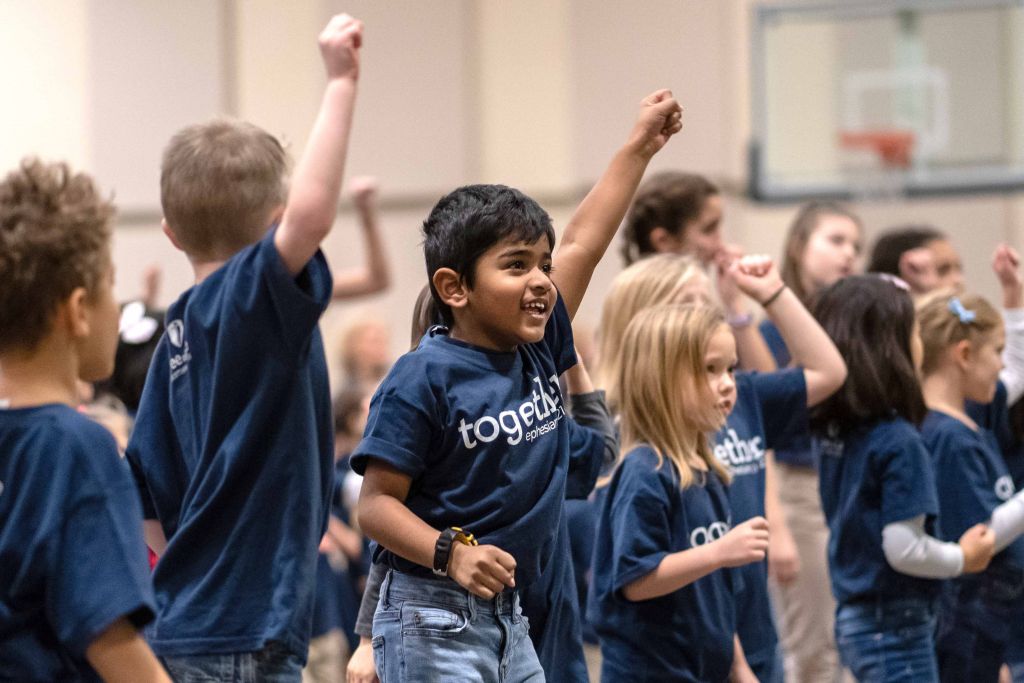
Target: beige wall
536,93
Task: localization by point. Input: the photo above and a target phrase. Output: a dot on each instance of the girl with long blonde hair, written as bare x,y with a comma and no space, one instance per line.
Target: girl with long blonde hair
665,544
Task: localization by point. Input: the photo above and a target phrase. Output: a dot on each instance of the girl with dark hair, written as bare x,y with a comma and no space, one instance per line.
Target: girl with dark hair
822,246
675,212
878,490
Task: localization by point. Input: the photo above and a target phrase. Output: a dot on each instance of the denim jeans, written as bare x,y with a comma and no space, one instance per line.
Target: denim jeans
272,664
888,640
977,617
433,630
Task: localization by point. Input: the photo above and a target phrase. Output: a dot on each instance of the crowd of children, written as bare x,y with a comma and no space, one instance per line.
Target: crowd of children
831,492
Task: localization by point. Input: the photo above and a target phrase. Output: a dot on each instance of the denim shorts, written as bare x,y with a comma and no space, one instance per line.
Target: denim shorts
888,640
273,664
428,629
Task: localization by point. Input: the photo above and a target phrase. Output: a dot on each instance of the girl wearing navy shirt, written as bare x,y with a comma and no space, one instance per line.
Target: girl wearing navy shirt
963,339
663,599
770,408
878,491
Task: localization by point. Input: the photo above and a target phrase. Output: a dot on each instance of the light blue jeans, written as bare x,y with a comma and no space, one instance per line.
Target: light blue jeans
272,664
433,630
888,641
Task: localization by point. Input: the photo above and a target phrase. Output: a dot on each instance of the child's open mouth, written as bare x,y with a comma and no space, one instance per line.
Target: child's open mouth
536,309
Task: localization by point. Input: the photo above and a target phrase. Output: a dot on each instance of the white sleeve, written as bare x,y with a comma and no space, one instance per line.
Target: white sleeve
909,550
1008,521
1012,373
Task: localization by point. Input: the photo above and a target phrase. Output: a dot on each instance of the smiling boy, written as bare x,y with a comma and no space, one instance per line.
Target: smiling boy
466,435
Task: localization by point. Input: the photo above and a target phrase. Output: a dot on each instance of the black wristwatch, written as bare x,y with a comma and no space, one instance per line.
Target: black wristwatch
443,547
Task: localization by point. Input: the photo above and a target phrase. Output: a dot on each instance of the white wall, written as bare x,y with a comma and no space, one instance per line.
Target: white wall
534,93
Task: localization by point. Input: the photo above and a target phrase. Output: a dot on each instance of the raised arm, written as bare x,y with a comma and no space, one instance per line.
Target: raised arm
375,275
810,346
313,200
593,225
1006,264
751,348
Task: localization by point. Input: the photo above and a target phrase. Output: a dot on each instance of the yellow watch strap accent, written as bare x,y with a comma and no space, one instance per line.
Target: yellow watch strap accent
464,537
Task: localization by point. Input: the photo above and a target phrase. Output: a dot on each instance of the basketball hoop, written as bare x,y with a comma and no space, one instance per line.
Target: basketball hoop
877,161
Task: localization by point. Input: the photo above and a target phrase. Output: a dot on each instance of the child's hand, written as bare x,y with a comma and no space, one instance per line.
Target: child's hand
1006,264
339,46
361,668
745,543
978,544
483,570
728,291
756,276
364,191
660,118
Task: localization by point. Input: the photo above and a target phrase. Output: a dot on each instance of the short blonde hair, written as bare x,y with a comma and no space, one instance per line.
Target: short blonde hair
939,318
219,183
663,395
649,282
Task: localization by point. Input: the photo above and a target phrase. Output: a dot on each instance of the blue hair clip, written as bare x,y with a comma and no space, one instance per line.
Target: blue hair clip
957,308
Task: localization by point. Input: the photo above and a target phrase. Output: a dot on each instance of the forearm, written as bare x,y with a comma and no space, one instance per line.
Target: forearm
909,550
375,276
153,534
1007,521
316,184
673,572
590,410
388,521
773,510
752,351
120,653
1012,373
371,596
595,222
810,346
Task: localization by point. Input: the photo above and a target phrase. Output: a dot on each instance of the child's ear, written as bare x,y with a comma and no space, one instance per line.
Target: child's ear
664,241
962,352
450,287
74,314
170,234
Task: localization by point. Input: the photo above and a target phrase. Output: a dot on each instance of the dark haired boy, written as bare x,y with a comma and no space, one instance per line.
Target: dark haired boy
74,581
232,446
466,435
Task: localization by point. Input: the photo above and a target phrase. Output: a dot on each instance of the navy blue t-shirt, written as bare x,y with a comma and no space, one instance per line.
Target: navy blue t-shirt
995,417
971,480
875,475
686,635
800,451
233,452
771,410
72,558
482,435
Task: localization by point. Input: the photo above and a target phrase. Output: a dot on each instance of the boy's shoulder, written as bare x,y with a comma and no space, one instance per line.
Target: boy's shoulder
72,445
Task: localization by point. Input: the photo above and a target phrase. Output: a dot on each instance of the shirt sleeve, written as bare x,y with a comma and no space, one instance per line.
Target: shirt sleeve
403,424
558,337
640,521
371,596
909,550
1012,373
593,443
1008,521
782,397
908,484
278,310
99,572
